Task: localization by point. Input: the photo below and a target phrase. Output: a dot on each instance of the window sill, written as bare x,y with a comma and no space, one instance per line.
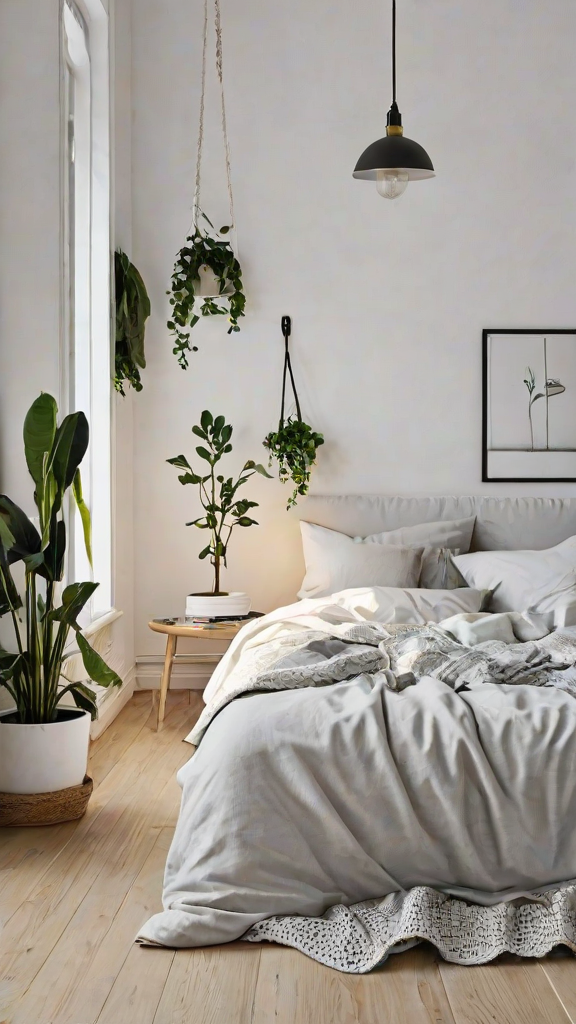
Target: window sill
101,621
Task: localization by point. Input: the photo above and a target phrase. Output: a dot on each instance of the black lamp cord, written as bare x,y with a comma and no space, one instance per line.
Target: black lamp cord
393,51
286,330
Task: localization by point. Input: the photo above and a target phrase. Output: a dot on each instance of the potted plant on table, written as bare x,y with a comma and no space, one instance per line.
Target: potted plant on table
44,744
223,511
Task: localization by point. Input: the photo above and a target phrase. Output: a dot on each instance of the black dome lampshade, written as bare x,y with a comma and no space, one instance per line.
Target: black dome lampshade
394,160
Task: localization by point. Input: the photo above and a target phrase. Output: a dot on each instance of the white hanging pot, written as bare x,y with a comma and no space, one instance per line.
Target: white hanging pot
207,285
44,758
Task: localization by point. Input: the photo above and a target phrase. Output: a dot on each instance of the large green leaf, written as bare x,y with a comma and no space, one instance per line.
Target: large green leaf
83,698
9,596
52,566
95,666
84,513
26,537
7,538
69,449
8,664
39,433
74,597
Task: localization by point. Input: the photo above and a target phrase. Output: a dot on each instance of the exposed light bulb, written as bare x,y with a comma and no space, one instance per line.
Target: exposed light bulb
391,182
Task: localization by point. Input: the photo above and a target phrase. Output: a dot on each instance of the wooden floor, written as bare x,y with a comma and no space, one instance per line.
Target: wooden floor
73,896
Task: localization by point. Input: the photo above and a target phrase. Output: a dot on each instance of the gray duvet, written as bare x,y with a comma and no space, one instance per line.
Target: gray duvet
356,782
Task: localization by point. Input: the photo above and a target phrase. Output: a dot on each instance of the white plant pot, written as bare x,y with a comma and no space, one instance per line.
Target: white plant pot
208,605
44,758
207,285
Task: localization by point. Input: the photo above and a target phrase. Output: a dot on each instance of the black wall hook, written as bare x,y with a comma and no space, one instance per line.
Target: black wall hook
286,324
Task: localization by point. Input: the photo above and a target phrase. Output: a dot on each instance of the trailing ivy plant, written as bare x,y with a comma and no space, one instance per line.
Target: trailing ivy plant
294,444
218,493
203,249
132,311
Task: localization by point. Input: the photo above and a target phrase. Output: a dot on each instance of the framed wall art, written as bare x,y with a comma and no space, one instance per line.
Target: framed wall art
529,405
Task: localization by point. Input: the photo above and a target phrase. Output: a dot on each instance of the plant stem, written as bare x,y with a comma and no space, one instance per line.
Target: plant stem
546,389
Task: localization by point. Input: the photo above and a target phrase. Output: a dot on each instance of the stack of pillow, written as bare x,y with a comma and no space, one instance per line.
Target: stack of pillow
412,569
425,573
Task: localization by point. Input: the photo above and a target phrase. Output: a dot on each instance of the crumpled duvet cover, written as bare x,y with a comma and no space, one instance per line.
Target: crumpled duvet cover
359,786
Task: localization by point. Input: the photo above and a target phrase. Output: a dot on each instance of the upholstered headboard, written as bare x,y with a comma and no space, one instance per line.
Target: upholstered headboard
501,523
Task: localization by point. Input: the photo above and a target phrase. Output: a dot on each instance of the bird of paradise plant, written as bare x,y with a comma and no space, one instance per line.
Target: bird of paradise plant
33,674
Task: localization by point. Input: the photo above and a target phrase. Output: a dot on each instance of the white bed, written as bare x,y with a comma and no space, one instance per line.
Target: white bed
360,786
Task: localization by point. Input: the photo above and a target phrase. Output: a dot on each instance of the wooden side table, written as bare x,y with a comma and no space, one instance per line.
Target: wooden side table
175,628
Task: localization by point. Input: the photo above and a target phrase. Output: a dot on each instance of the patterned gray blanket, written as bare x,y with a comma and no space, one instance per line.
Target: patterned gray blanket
377,785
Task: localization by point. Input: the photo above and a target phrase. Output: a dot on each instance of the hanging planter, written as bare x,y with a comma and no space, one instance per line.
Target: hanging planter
294,444
207,277
132,311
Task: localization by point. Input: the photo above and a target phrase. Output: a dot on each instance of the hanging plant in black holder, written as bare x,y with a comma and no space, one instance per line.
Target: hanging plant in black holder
207,277
294,444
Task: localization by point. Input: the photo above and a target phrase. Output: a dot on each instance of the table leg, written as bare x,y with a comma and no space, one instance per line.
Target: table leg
171,643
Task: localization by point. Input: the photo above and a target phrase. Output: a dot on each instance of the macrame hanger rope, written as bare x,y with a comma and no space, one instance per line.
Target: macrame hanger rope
218,27
196,209
196,203
286,330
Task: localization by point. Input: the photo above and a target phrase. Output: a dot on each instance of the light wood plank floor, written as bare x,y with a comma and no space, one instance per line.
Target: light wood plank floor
73,896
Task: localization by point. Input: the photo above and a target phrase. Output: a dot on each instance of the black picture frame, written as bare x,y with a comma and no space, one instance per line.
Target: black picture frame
487,333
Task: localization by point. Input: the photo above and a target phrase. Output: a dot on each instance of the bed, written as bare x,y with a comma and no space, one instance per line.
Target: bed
361,784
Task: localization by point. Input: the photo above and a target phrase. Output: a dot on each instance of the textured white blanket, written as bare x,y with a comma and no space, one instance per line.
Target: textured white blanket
335,793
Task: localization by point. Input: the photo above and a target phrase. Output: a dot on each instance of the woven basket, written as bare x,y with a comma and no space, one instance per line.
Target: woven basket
45,808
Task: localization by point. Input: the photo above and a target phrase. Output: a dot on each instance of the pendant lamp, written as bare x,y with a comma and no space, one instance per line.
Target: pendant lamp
394,160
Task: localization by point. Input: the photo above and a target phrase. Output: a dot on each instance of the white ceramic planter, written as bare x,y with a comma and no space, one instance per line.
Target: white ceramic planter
44,758
207,285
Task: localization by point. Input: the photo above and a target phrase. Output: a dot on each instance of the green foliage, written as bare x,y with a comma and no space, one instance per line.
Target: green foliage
132,311
294,446
32,675
203,250
218,493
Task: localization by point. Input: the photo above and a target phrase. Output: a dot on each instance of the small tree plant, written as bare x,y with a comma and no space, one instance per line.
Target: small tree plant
218,493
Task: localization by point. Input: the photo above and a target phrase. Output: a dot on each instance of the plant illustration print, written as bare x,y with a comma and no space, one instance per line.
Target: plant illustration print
552,386
530,382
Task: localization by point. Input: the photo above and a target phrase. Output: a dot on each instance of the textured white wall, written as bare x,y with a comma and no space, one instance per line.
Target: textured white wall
388,299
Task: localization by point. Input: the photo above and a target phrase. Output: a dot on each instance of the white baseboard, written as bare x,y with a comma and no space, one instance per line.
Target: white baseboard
113,705
185,676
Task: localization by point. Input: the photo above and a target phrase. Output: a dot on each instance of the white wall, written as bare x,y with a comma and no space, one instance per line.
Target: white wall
29,224
388,299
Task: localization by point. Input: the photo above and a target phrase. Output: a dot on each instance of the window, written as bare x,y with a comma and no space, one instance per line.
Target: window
87,345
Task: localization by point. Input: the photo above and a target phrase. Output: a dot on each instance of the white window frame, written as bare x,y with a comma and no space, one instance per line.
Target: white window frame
87,341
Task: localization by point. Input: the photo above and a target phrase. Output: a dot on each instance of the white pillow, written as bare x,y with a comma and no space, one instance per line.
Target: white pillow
455,534
408,605
336,562
439,540
324,548
542,582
